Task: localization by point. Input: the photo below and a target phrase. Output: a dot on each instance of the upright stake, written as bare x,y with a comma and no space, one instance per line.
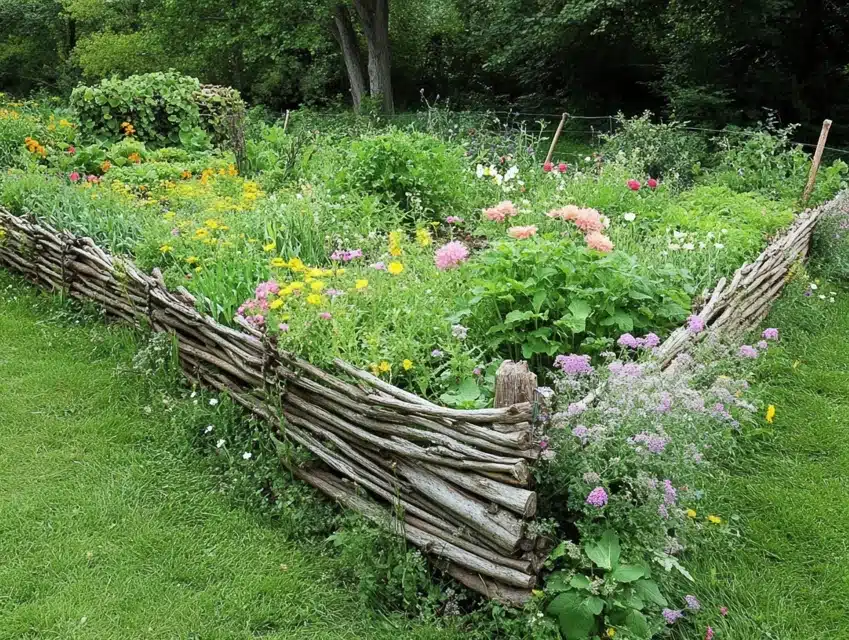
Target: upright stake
815,165
514,383
556,136
286,122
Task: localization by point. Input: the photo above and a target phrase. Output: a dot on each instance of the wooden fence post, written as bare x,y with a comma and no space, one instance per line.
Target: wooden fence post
815,165
556,136
286,122
514,383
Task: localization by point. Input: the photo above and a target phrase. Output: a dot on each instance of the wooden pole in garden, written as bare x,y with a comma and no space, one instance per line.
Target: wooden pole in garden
286,122
815,165
556,136
514,384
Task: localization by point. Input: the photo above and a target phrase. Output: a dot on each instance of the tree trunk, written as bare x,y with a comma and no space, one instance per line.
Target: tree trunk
374,15
344,32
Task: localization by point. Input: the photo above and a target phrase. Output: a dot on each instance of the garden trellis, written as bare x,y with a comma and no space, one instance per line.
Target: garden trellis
456,483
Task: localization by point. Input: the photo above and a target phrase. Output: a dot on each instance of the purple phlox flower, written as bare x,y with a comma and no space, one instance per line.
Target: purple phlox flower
597,497
477,371
770,334
436,353
346,255
459,331
665,402
256,320
628,341
334,292
573,364
672,615
576,409
692,603
670,495
663,512
591,477
325,315
265,289
379,266
543,444
747,351
654,442
581,432
453,219
719,411
695,324
284,328
627,370
651,341
762,345
808,293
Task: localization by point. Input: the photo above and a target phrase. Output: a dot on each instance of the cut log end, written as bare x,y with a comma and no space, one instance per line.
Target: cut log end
514,384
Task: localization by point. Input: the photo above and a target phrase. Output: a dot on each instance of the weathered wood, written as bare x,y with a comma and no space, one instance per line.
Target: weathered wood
815,165
514,384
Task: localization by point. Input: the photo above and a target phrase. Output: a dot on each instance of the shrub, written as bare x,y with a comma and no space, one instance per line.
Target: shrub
420,173
659,150
830,244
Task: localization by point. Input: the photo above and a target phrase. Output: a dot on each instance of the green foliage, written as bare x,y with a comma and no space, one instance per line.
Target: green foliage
417,171
105,54
830,245
535,298
662,150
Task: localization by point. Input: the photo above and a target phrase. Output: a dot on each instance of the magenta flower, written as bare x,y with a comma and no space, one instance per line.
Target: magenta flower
747,351
770,334
652,183
634,185
325,315
454,220
597,497
451,255
695,324
562,167
709,633
346,255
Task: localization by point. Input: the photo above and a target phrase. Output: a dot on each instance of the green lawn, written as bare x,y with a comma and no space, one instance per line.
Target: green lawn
788,578
106,533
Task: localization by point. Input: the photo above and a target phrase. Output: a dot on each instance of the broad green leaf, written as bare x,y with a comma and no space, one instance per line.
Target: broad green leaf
539,300
576,621
517,316
594,605
605,552
648,591
557,582
638,625
580,309
580,582
627,573
568,600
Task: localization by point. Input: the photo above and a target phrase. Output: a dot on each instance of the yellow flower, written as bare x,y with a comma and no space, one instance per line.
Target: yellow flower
770,413
275,304
395,268
714,519
296,285
374,368
231,170
201,233
166,248
198,269
423,237
212,223
134,157
611,632
340,272
313,298
395,243
271,246
186,174
315,273
395,251
361,284
317,286
691,513
278,263
192,259
407,364
295,264
384,366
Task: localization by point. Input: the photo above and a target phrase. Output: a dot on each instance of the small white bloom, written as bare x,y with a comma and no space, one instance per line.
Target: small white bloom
702,245
710,235
479,171
674,247
689,246
213,402
831,299
822,297
299,196
605,221
194,393
587,159
719,245
678,235
813,286
630,217
512,172
247,455
209,428
498,178
219,444
724,231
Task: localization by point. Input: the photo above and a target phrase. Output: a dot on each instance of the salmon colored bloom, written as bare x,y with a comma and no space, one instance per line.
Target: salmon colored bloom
569,213
522,233
589,220
599,242
501,211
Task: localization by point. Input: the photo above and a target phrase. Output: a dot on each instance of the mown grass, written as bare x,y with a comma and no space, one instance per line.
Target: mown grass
107,531
788,577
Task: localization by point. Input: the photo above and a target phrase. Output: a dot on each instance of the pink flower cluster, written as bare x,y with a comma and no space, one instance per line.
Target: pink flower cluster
76,177
346,255
501,211
562,167
590,222
450,256
254,310
650,341
634,185
522,233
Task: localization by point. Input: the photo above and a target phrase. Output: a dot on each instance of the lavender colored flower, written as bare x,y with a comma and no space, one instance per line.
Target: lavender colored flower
651,341
692,603
543,444
770,334
591,477
670,494
333,293
628,341
436,353
663,512
581,432
762,344
325,315
380,266
627,370
459,331
597,497
672,615
665,402
654,443
747,351
695,324
477,371
284,328
575,409
453,220
573,364
346,255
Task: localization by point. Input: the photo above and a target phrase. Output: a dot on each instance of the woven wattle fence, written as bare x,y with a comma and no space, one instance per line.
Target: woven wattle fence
456,484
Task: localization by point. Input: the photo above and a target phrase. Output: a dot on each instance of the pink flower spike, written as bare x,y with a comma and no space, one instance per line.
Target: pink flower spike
522,233
709,633
634,185
74,176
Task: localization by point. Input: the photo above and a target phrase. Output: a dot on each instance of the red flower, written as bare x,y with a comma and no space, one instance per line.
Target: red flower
547,167
74,177
634,185
652,183
71,150
562,167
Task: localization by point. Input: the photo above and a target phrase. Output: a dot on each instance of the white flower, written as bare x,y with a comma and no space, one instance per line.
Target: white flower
213,402
674,247
724,231
587,159
498,178
630,217
299,196
209,428
219,444
512,172
479,171
689,246
831,299
710,235
194,393
822,297
605,221
719,245
679,234
702,245
813,286
247,455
